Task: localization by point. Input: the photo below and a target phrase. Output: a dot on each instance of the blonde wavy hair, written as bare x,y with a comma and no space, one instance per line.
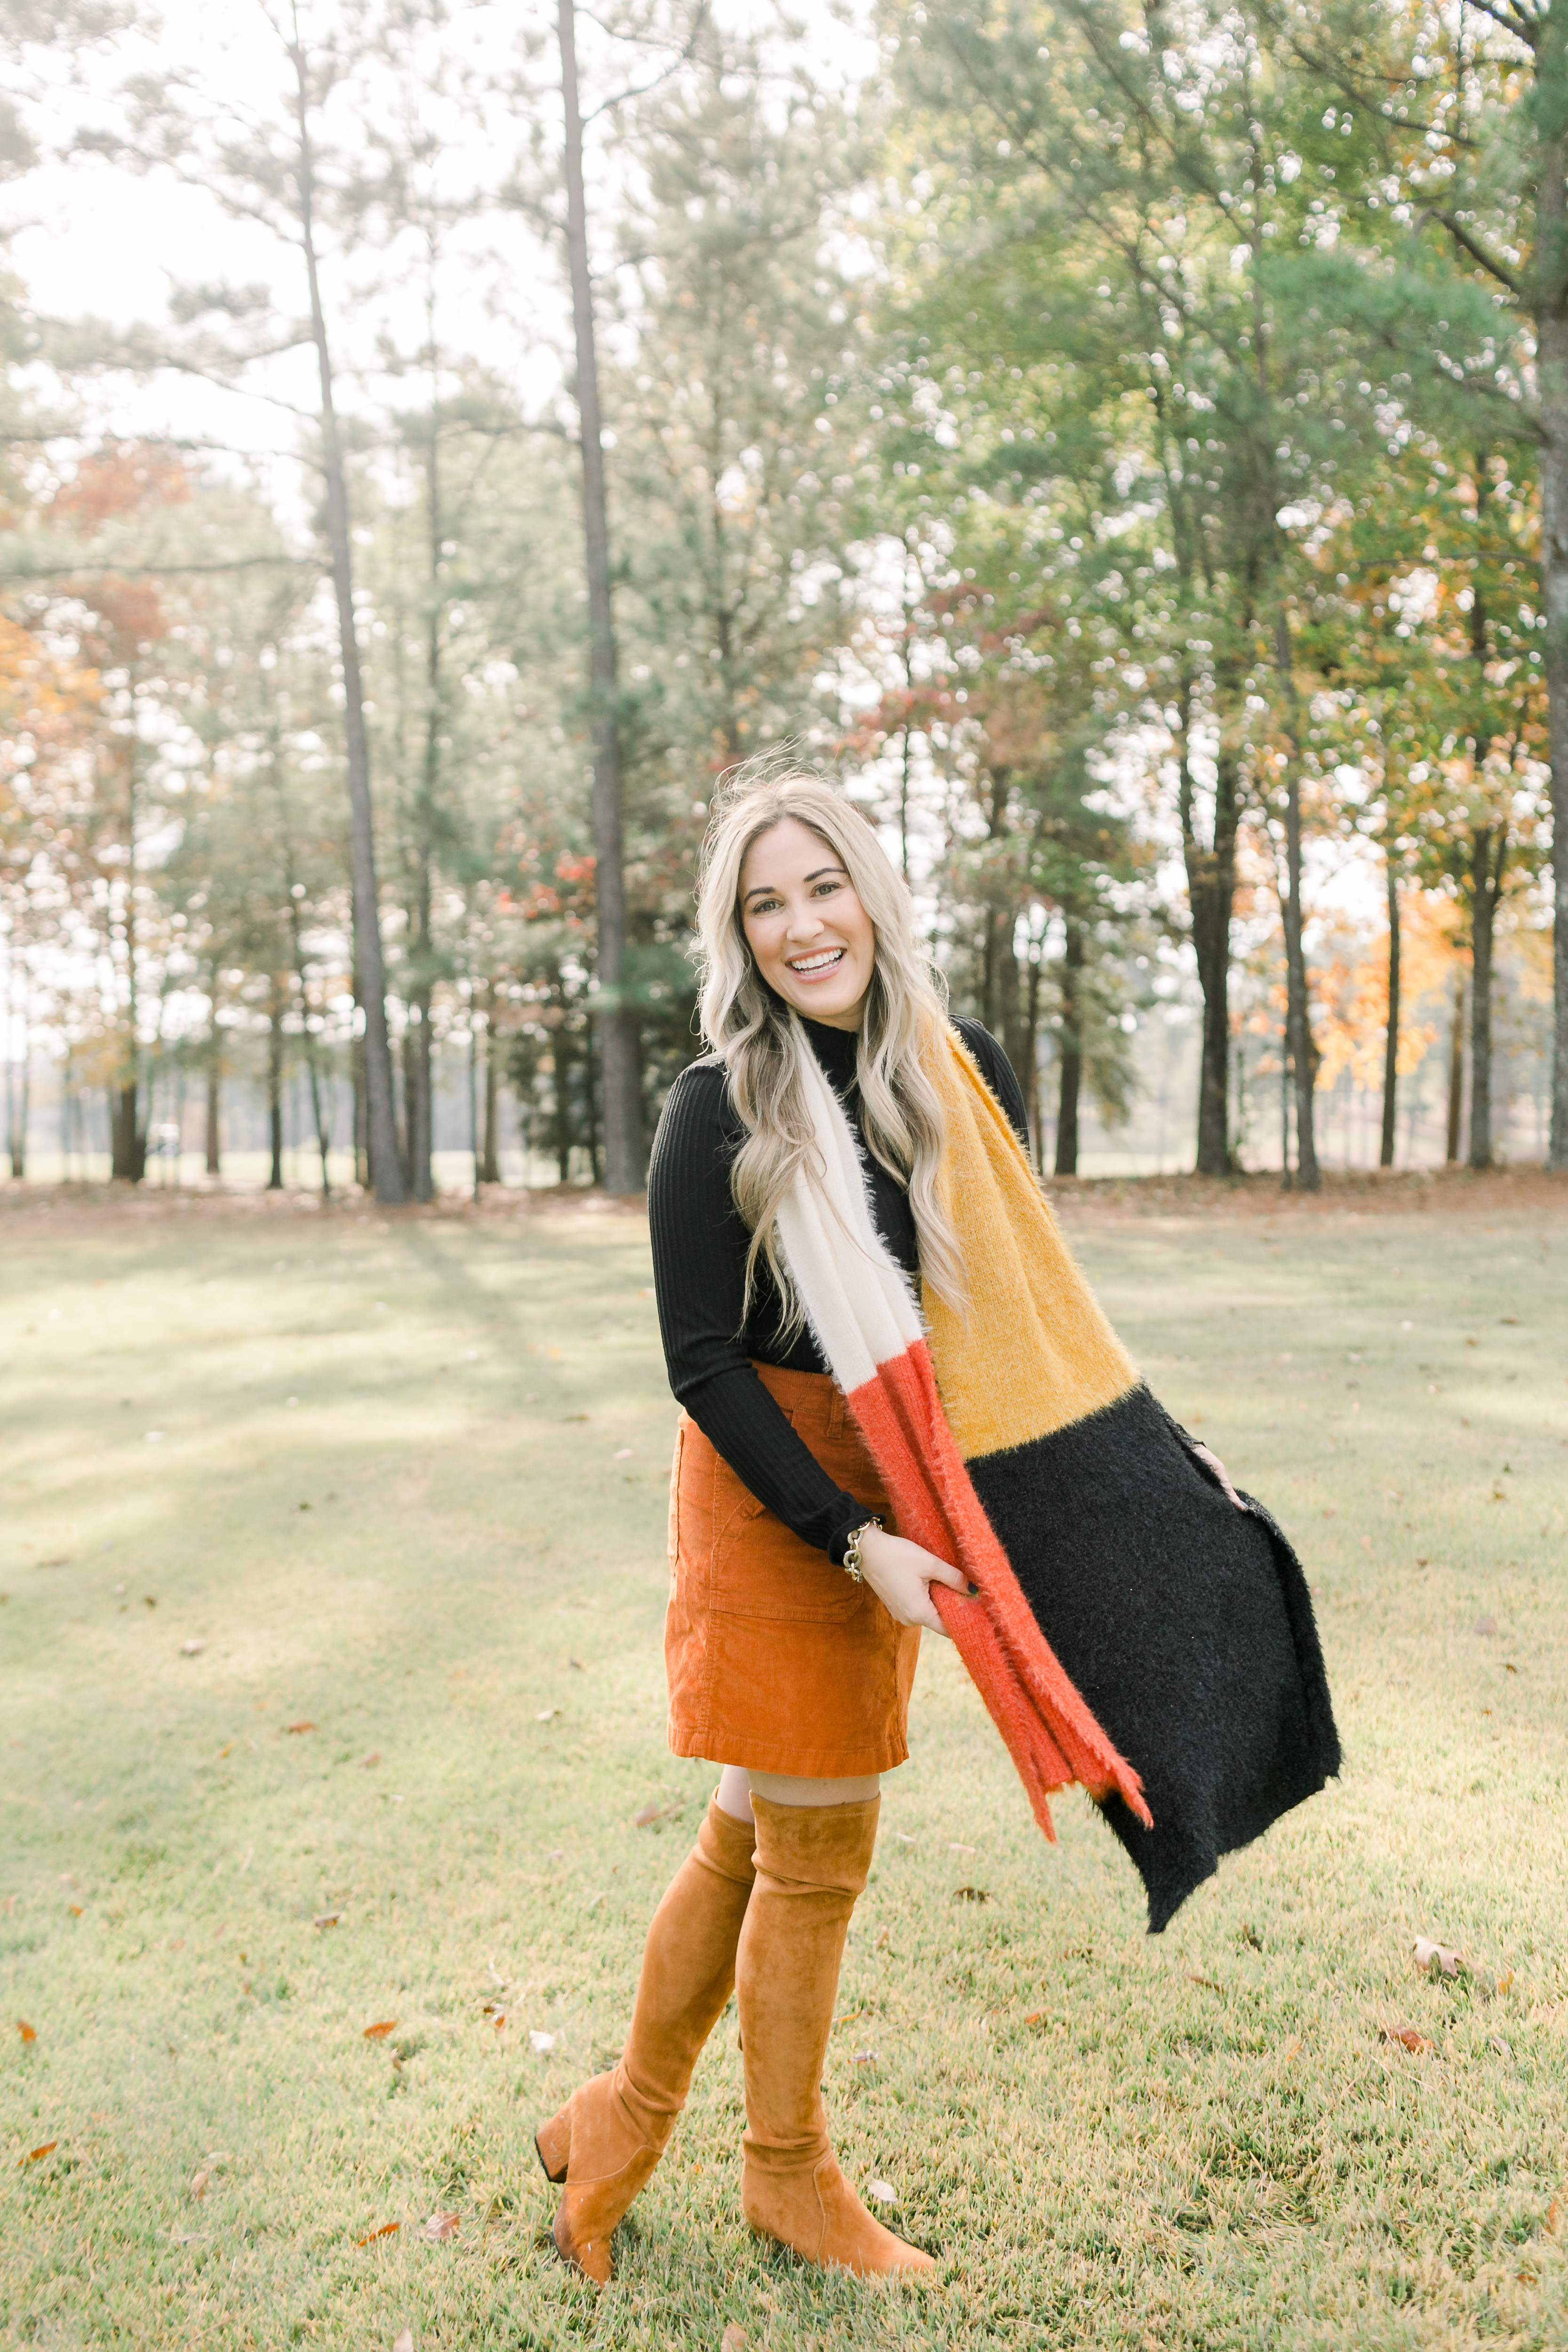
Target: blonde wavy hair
760,1042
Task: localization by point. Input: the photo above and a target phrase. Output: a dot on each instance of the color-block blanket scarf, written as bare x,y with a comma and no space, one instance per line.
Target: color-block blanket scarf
1133,1629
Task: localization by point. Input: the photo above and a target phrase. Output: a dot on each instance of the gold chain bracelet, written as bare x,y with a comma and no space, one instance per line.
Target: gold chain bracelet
851,1562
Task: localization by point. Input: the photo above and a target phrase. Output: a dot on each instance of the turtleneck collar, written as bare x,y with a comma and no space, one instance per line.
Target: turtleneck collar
836,1051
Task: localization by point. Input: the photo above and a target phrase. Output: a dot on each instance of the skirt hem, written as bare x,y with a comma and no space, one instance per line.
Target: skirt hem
785,1756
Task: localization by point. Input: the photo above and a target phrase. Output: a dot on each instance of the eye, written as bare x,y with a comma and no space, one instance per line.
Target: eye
824,889
763,906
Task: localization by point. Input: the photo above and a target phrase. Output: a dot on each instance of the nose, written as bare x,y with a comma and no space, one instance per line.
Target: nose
804,923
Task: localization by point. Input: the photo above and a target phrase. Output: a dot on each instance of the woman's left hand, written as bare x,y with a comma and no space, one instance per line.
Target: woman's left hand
901,1574
1220,1472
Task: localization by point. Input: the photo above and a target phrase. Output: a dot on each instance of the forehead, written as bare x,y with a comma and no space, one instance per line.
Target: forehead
787,852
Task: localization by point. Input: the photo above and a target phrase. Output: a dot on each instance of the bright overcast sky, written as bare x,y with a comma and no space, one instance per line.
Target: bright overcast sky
90,240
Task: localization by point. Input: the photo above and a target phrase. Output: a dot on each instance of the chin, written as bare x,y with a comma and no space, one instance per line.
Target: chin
826,1006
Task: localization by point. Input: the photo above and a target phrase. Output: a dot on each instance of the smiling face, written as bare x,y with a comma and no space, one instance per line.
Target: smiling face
812,938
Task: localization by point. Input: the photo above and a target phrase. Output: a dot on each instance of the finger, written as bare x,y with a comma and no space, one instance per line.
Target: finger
932,1623
942,1572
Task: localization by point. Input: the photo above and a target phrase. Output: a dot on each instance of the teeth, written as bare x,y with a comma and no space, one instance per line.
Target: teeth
817,962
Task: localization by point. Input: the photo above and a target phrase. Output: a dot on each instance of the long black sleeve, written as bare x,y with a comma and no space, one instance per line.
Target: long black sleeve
700,1245
711,1343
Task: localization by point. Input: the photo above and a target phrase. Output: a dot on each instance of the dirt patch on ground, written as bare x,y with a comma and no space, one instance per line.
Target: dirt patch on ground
1452,1192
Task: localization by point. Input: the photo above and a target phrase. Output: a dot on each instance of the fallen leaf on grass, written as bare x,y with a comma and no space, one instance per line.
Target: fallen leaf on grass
75,1910
1437,1959
385,2231
735,2339
404,2342
1205,1980
1407,2037
547,1715
883,2191
541,2042
623,1455
1484,1626
440,2226
199,2181
327,1920
867,2057
25,2031
298,1727
972,1894
371,1760
191,1649
34,2154
1554,2214
954,1846
1035,2017
645,1815
1293,2048
379,2032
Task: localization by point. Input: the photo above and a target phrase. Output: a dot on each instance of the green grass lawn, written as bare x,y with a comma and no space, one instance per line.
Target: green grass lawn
332,1549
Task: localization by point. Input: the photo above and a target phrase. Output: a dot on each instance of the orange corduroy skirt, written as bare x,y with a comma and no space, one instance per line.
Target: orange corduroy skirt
776,1658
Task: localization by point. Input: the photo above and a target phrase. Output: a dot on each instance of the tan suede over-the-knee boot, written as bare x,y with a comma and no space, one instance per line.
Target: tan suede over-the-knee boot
812,1862
611,2133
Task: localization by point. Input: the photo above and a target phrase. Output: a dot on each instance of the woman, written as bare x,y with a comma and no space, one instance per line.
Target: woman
796,1612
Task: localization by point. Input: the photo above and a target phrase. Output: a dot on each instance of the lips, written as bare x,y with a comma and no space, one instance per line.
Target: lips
814,967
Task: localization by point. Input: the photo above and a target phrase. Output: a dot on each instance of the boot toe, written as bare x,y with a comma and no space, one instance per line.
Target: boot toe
588,2256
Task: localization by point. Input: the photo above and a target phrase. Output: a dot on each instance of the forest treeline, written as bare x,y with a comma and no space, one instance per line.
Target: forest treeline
1126,439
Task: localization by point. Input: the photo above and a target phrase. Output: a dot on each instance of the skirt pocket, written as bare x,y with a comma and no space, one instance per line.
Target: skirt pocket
760,1569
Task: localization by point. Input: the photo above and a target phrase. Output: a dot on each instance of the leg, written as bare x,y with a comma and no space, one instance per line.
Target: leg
813,1854
611,2133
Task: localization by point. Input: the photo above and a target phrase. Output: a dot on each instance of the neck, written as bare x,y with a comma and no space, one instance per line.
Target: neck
852,1019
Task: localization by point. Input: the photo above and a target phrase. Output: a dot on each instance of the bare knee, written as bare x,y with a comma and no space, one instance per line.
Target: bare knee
785,1789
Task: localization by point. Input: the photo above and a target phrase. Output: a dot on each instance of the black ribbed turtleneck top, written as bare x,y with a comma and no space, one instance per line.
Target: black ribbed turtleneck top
699,1242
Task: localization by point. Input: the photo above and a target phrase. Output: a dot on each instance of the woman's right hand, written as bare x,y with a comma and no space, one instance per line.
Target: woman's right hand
901,1574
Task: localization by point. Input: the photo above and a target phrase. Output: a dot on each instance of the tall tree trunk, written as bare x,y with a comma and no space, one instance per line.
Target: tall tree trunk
275,1087
1391,1041
127,1127
1456,1073
417,1096
616,1021
1298,1013
1285,1076
215,1110
1489,860
417,1076
361,1118
1552,377
1211,892
380,1115
1072,1051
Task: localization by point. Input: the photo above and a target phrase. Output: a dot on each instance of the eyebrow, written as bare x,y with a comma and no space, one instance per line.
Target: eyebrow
814,876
